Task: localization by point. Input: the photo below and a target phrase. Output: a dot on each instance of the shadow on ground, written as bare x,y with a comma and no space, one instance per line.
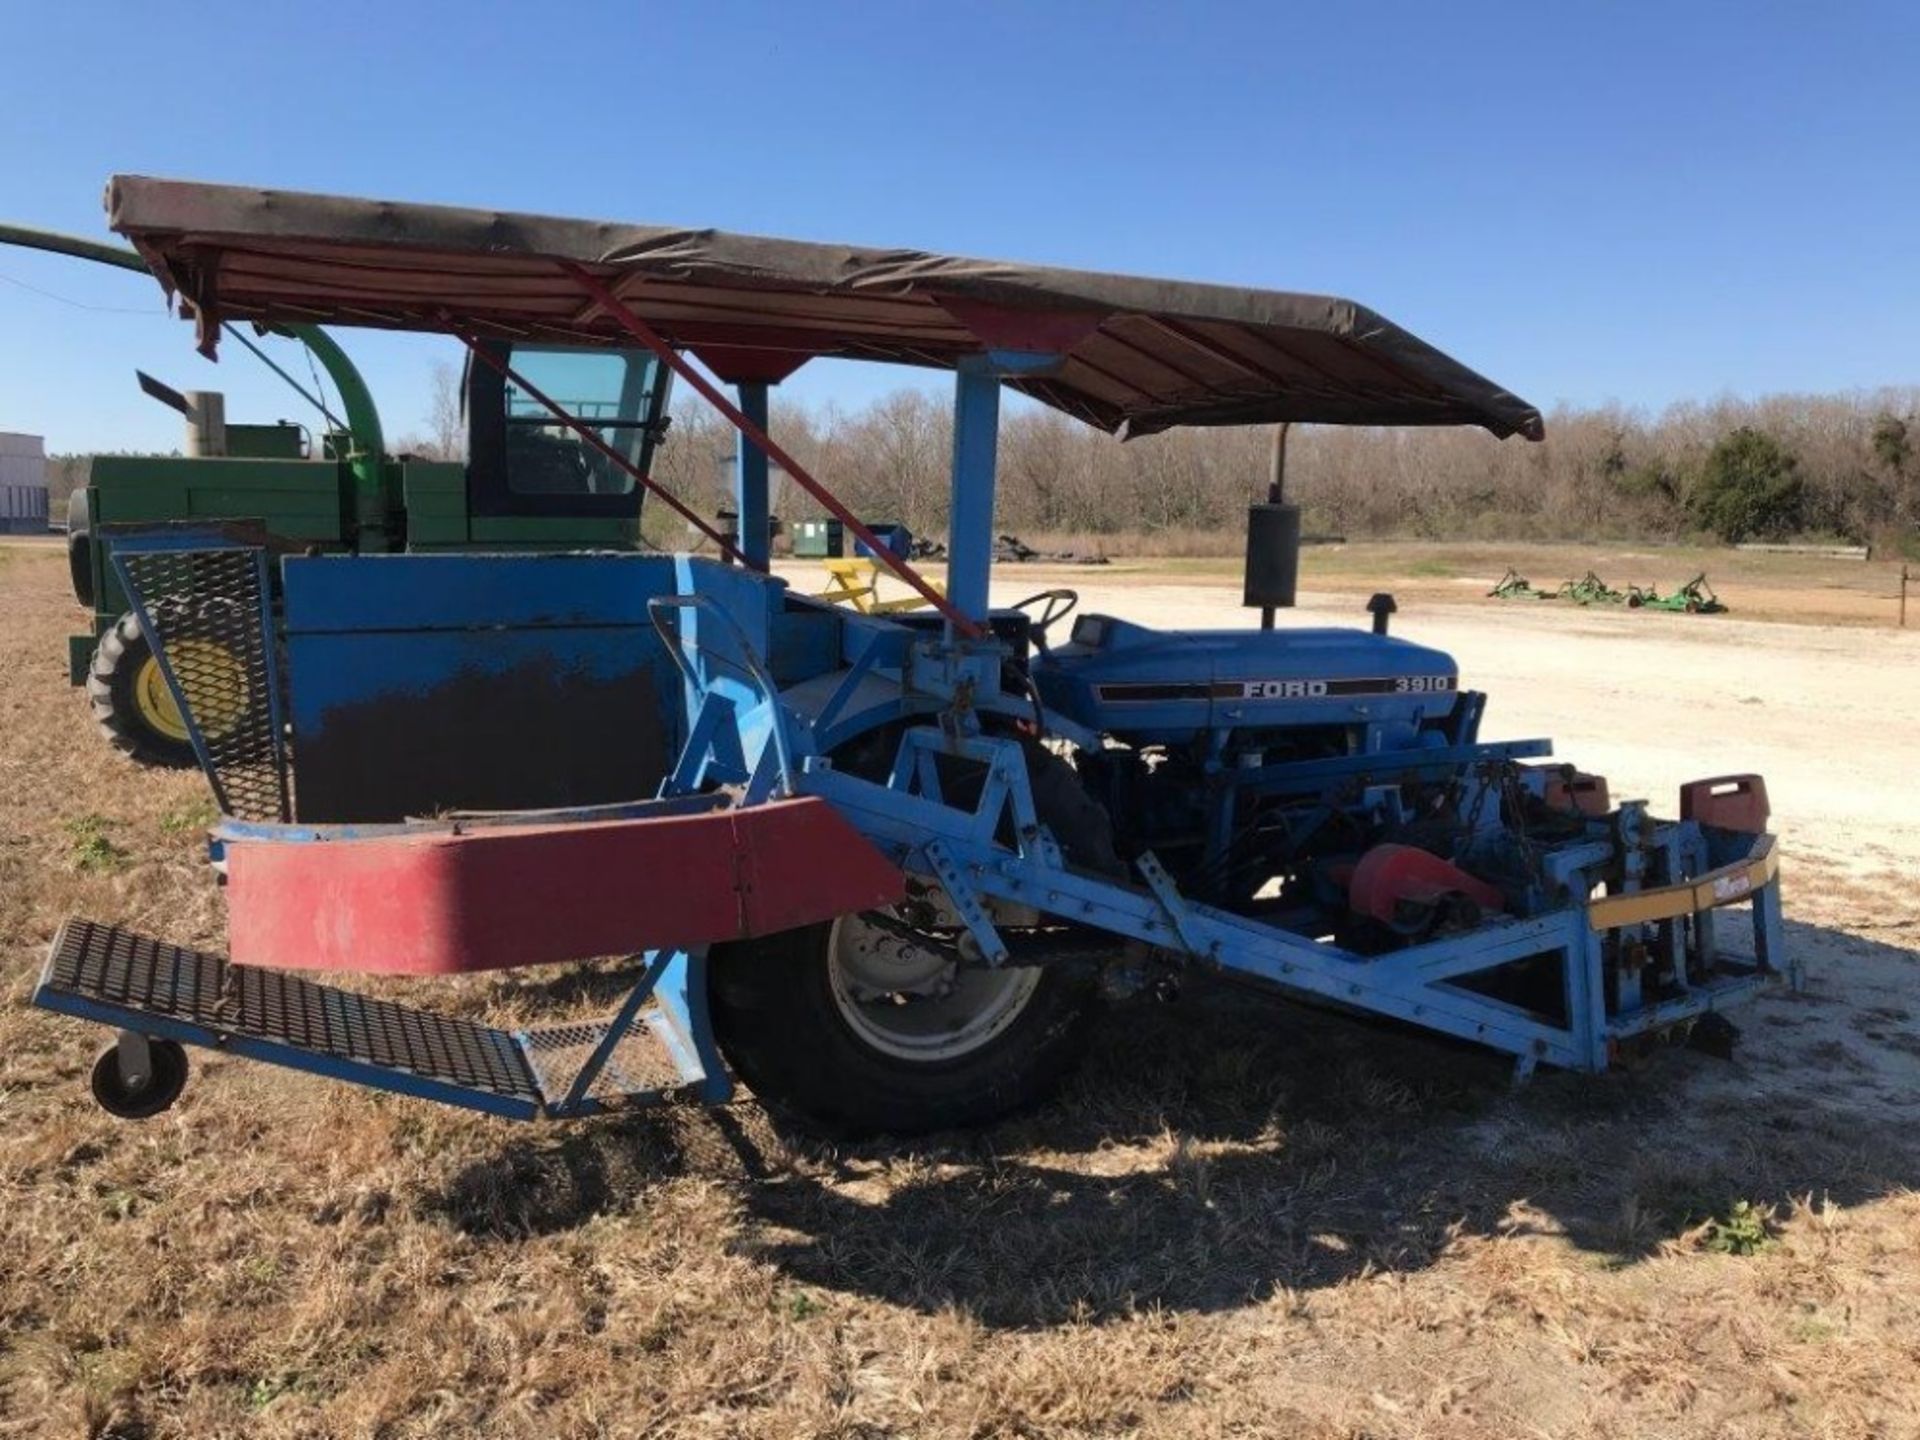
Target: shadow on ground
1213,1152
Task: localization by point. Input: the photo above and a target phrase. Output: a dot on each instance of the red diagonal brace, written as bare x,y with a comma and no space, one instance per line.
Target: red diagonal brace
586,433
604,297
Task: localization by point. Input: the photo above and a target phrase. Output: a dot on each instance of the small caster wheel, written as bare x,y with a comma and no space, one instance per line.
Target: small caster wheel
131,1097
1713,1034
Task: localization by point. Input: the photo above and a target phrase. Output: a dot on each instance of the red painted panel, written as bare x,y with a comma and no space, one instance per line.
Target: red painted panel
438,903
1728,802
735,363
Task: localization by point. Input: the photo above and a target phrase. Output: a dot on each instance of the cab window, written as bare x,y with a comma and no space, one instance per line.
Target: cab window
525,461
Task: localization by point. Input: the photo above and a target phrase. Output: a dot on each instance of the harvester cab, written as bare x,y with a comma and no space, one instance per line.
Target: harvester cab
881,866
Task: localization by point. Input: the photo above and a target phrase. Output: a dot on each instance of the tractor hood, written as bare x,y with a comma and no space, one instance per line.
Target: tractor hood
1168,685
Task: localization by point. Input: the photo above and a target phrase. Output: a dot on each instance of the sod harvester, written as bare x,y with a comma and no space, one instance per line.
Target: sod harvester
519,488
880,866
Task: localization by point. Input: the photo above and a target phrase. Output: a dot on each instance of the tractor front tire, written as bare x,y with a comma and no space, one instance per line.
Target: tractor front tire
847,1029
130,700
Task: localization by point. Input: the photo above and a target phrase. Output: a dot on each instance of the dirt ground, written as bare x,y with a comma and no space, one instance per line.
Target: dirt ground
1797,588
1240,1219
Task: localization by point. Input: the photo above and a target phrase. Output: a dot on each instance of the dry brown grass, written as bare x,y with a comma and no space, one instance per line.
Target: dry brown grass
1240,1220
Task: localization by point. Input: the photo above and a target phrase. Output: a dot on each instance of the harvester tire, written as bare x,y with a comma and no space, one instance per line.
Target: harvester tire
80,546
121,691
783,1023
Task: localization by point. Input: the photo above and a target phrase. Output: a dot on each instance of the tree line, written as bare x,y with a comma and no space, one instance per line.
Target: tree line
1826,466
1843,467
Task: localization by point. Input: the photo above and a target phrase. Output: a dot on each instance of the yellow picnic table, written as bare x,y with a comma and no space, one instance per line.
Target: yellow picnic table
856,582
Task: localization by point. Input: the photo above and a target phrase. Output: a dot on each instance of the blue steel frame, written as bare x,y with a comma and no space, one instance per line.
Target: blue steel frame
676,982
909,819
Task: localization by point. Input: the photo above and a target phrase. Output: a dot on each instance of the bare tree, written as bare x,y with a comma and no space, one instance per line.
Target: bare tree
444,414
1605,472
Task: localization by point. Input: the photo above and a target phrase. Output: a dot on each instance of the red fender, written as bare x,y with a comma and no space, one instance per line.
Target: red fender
438,902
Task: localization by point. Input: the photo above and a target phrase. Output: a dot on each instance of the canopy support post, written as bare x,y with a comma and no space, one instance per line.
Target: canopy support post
976,438
750,500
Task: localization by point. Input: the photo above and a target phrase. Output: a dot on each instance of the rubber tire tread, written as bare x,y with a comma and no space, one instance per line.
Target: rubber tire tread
80,546
117,661
778,1025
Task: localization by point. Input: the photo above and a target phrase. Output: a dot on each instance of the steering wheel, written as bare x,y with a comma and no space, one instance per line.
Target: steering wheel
1059,604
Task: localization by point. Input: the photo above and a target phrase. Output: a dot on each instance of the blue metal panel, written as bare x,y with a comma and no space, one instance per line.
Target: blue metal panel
409,593
1127,679
681,993
428,682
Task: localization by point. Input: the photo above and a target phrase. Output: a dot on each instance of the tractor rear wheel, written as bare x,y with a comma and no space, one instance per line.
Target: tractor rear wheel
854,1027
131,702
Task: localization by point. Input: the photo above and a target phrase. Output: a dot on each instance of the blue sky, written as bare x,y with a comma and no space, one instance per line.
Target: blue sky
1632,202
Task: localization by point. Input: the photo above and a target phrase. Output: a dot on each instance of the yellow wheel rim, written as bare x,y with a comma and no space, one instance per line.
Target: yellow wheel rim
213,677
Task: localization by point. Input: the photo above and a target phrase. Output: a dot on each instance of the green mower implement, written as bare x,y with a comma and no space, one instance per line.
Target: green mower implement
1515,586
1590,589
1696,597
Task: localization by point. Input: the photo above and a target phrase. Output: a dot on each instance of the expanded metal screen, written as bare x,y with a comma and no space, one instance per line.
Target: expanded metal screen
640,1063
203,613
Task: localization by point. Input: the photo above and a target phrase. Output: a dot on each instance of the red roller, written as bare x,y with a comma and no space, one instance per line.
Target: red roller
1406,888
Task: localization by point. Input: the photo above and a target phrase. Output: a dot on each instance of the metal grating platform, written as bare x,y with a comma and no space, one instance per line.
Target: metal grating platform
101,972
642,1064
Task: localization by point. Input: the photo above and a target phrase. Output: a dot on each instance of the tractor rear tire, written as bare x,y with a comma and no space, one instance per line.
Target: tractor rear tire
129,700
789,1023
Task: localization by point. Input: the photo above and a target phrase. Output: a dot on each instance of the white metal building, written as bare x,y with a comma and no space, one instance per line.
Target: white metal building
23,483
